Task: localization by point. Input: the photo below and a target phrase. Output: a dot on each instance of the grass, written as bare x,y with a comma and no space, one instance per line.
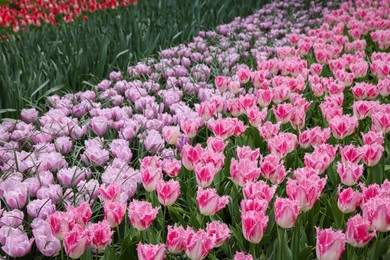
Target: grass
44,60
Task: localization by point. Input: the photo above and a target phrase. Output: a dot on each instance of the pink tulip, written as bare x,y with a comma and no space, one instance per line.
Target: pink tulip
40,208
114,213
348,200
244,171
253,205
283,112
349,172
330,244
372,137
75,242
306,191
190,156
120,149
222,83
190,127
220,231
13,218
381,121
63,144
205,174
377,211
342,126
199,244
168,192
286,212
29,115
46,243
350,153
150,178
18,245
223,127
357,233
254,224
243,75
100,234
141,214
242,256
210,202
259,190
99,125
150,252
176,239
216,144
372,153
172,167
282,144
206,110
111,192
171,134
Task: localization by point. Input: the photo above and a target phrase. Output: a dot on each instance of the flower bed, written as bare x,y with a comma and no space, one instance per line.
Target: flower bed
264,139
20,14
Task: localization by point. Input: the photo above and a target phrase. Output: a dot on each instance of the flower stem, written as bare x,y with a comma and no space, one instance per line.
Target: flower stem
119,234
377,243
253,250
62,251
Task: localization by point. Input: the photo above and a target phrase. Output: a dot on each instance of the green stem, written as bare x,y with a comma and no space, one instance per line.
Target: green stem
281,232
377,243
96,255
119,235
62,251
296,237
253,250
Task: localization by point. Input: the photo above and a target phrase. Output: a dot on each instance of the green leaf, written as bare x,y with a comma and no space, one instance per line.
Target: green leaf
305,253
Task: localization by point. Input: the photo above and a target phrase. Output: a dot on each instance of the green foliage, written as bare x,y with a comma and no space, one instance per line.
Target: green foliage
44,60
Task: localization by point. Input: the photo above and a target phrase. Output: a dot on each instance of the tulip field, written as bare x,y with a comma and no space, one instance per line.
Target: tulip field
266,136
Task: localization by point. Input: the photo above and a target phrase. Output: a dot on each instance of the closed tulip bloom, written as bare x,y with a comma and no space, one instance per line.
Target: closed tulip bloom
254,224
209,202
18,245
29,115
199,244
216,144
204,174
243,74
220,231
172,167
150,178
168,192
141,214
75,242
286,212
348,200
100,234
377,211
253,204
342,126
351,153
111,192
330,244
305,191
171,134
114,213
357,233
150,252
176,239
372,137
190,156
190,127
381,121
244,171
349,172
13,218
46,243
372,153
99,125
259,190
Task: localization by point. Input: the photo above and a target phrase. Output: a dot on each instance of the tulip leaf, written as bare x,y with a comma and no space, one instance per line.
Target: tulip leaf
305,253
87,255
109,254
